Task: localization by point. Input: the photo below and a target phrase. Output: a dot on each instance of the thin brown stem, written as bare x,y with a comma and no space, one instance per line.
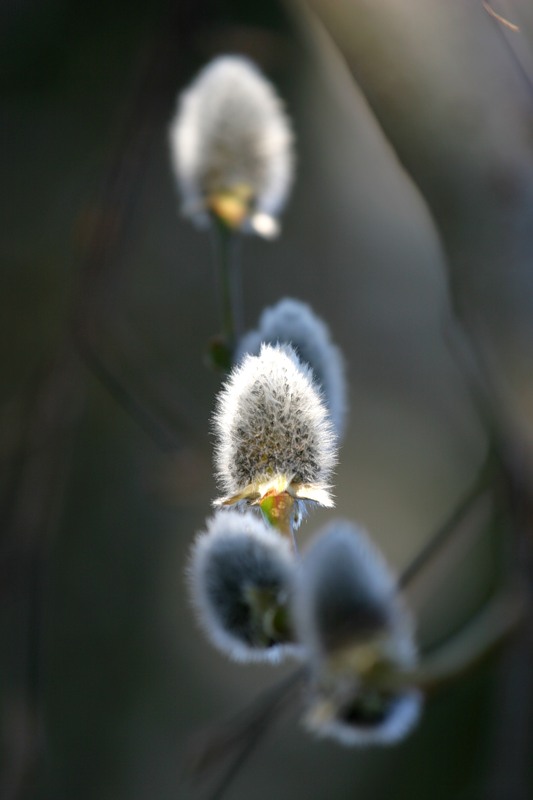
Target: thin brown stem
442,535
230,743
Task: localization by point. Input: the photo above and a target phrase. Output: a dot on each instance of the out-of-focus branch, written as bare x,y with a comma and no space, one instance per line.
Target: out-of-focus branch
31,517
477,493
228,744
32,508
453,103
454,100
161,407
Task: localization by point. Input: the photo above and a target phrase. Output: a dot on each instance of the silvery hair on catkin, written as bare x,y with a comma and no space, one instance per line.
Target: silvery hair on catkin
230,129
295,323
270,420
347,593
347,729
346,598
236,555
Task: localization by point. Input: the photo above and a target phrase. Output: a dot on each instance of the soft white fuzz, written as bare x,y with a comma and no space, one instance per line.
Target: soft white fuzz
273,430
235,554
329,721
231,134
346,593
295,323
351,621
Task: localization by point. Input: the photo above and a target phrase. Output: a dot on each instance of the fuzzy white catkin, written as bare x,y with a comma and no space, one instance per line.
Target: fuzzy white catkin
345,598
295,323
400,720
238,552
346,593
230,131
270,421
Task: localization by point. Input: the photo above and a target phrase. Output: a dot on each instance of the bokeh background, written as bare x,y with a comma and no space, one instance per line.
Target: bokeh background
108,302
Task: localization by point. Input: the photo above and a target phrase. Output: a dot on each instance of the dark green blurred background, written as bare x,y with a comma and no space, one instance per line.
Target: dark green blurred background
105,675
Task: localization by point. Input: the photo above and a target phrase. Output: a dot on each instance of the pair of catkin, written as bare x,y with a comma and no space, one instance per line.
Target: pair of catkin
277,423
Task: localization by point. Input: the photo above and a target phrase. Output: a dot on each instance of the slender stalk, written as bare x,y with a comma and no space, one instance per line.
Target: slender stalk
293,539
464,342
235,245
501,616
278,511
229,280
31,519
446,530
161,434
236,738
